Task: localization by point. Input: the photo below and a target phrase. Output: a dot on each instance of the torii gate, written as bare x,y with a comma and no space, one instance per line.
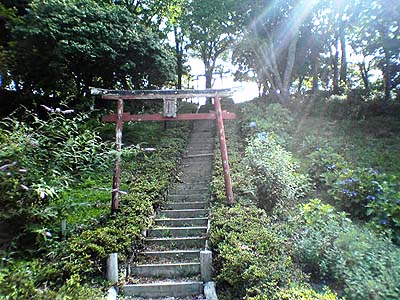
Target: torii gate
169,114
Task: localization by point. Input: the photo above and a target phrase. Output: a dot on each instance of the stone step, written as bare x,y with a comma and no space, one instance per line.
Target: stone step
187,205
184,190
205,149
194,242
196,156
180,222
172,270
198,159
183,213
177,231
188,198
192,186
164,289
199,163
203,133
171,255
202,139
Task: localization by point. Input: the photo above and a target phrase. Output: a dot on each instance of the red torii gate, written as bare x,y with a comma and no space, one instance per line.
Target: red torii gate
169,97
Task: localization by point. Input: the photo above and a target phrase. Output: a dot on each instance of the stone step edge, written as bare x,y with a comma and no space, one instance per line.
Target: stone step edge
152,289
183,251
184,210
178,265
181,219
188,238
179,228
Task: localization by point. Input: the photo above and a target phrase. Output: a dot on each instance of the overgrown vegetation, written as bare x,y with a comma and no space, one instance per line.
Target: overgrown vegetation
59,168
351,252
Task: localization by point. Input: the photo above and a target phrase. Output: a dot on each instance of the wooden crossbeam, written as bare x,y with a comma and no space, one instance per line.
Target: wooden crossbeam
126,117
159,94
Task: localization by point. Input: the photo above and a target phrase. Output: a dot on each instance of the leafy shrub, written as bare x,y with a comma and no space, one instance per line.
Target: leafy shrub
40,158
354,189
272,118
332,247
36,279
384,208
250,253
322,161
299,293
274,173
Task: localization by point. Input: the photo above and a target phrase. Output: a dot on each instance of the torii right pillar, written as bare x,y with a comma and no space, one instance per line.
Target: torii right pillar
224,151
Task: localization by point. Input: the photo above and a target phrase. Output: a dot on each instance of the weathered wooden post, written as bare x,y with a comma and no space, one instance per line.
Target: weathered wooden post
117,168
224,152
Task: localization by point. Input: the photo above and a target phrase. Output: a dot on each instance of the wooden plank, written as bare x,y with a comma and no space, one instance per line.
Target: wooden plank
126,117
159,94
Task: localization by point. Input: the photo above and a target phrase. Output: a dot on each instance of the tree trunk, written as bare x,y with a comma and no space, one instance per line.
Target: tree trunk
343,66
208,75
315,68
179,58
336,67
301,79
386,79
364,75
287,76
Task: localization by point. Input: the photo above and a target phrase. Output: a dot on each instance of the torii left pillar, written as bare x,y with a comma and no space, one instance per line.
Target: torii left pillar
117,165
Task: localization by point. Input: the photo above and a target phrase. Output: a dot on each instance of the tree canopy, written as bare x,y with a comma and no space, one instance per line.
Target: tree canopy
59,48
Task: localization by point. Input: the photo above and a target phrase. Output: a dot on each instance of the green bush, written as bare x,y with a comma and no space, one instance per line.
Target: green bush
39,159
299,293
250,252
352,190
331,247
274,173
322,161
272,118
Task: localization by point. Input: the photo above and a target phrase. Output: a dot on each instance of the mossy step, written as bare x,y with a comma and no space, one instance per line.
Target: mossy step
189,197
180,222
164,289
177,231
171,270
183,213
175,243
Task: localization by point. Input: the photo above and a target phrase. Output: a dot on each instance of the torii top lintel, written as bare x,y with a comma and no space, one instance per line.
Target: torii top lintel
159,94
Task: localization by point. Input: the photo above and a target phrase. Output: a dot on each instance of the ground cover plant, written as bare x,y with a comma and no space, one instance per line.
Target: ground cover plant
60,168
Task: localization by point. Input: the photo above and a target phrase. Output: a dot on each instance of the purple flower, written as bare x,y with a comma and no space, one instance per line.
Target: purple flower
375,172
370,198
384,222
253,124
345,191
345,171
379,189
48,234
353,193
331,167
262,135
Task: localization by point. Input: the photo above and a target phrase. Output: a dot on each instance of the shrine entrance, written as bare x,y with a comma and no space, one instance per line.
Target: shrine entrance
169,114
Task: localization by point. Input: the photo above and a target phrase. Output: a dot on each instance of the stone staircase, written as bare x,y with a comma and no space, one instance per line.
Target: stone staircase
169,268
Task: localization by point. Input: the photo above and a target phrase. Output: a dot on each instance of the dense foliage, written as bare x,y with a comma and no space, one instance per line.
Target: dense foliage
59,168
354,260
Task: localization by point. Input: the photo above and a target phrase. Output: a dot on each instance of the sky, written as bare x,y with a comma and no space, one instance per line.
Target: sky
244,91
